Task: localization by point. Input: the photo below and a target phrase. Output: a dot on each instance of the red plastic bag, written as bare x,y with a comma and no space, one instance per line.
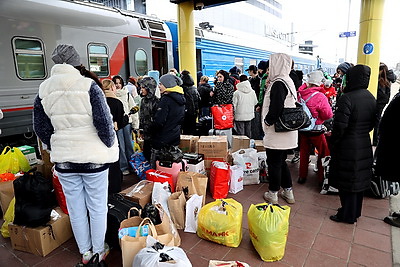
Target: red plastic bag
219,179
161,177
59,192
222,116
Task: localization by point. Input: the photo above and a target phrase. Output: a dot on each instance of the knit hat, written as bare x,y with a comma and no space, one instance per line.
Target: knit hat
149,83
66,54
315,77
252,68
234,70
328,83
263,65
344,67
169,80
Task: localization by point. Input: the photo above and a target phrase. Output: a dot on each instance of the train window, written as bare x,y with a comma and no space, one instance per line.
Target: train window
98,59
239,63
29,58
141,62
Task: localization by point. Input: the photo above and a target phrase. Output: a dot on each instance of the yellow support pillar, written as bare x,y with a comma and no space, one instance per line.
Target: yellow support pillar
186,38
370,37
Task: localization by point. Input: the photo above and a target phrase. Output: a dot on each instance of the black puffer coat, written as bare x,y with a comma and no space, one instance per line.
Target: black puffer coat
388,147
168,120
351,150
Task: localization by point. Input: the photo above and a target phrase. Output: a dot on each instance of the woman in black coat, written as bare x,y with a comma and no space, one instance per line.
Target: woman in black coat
351,150
388,149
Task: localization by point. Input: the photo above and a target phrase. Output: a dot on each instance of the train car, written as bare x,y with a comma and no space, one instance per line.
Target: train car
216,50
110,41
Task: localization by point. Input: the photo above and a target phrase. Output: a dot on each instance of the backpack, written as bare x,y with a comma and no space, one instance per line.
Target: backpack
303,104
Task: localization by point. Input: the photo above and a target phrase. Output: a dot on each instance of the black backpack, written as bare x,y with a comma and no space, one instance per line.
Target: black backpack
34,199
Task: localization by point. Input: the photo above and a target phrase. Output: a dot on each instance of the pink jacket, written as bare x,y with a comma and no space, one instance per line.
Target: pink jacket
318,104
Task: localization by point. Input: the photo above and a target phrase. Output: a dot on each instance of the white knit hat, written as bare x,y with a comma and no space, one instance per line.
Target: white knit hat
316,78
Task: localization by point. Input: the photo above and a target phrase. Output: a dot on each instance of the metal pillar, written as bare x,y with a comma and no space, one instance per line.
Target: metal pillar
186,38
370,37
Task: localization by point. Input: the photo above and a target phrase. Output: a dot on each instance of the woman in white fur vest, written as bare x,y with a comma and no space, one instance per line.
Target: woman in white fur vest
72,118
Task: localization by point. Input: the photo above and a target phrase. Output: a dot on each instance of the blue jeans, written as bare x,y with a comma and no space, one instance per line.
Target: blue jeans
124,136
87,192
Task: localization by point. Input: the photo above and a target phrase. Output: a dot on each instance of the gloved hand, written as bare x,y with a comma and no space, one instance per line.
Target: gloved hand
134,110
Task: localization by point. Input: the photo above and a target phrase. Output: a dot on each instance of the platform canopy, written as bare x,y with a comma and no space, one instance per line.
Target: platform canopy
199,4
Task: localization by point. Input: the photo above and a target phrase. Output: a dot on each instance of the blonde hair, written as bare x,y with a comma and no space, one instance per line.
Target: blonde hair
204,78
107,84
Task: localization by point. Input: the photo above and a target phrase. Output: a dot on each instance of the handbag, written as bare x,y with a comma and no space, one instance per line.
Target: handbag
170,153
292,119
222,116
96,262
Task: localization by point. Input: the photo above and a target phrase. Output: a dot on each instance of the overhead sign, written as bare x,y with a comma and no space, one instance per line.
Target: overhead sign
368,48
347,34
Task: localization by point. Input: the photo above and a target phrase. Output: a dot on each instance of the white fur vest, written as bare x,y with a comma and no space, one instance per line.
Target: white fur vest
66,101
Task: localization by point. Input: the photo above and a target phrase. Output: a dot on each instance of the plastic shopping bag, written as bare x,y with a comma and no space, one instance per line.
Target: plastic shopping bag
222,116
160,195
193,206
219,179
236,183
157,255
221,222
248,159
13,161
8,218
139,164
268,227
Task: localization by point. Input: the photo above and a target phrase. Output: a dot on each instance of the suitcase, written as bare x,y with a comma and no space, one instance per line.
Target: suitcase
204,125
195,162
172,168
227,132
118,208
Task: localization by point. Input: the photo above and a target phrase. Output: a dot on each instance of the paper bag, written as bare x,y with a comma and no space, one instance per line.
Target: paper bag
176,206
6,194
191,183
193,206
130,246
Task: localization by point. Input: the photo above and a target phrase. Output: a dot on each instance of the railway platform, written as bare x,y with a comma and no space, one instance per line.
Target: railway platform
313,239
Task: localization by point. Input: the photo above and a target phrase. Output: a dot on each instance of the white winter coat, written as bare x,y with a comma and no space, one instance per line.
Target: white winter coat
128,101
279,69
244,100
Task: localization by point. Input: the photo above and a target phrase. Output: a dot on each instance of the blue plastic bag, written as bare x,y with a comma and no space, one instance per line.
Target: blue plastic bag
139,164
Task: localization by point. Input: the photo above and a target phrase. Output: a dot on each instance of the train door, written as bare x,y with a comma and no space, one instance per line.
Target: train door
159,51
140,56
199,63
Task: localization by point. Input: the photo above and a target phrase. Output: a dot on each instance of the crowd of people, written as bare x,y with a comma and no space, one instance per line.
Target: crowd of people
87,125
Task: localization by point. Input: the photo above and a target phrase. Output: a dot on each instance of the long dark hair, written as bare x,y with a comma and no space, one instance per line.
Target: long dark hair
89,74
225,74
114,79
383,80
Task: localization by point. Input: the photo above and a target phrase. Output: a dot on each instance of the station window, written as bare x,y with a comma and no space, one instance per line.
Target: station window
29,58
141,62
253,62
98,59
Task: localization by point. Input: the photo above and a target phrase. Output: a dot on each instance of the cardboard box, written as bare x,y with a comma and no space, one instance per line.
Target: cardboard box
213,146
195,163
139,193
188,143
43,239
259,146
239,142
29,153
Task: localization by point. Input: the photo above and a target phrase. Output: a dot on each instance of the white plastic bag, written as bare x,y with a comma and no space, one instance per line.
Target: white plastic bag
160,195
248,160
236,183
150,257
193,206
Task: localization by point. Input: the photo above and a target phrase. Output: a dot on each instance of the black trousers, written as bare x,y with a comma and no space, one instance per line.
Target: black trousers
278,171
114,178
351,206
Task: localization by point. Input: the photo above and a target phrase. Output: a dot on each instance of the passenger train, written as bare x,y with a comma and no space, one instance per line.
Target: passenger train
110,41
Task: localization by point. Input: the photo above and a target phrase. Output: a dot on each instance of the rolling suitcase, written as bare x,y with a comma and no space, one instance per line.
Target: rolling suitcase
118,208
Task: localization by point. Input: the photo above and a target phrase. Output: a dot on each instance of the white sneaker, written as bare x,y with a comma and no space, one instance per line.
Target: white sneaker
271,197
315,169
106,251
126,172
287,195
86,257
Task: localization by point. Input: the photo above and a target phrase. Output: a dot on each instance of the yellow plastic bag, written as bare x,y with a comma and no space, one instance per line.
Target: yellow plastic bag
8,218
268,227
221,222
13,161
